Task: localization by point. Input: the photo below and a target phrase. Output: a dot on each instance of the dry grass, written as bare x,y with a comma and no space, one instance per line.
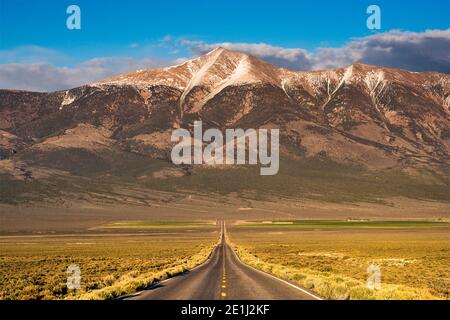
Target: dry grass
132,282
34,267
415,263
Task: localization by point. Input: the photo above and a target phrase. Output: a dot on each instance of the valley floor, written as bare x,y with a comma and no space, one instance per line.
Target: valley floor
336,259
81,216
329,257
111,264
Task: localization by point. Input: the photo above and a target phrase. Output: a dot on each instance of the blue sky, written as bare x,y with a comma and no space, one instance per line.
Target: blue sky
120,35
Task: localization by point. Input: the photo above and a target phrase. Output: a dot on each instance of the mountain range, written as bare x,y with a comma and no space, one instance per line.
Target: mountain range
370,119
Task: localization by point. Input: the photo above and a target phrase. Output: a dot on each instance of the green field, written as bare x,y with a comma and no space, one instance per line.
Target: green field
157,225
342,224
331,257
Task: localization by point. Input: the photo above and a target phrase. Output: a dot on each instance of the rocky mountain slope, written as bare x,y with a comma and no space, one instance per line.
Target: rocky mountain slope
361,115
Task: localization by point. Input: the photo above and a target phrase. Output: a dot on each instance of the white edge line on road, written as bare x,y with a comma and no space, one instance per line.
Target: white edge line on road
131,295
271,275
208,260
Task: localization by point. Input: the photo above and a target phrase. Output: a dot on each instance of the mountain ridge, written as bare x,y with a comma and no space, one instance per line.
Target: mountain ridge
365,115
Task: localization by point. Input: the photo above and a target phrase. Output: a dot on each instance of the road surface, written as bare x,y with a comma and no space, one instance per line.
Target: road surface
224,276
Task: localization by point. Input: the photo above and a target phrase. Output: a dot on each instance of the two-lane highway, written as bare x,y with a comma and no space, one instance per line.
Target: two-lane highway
224,276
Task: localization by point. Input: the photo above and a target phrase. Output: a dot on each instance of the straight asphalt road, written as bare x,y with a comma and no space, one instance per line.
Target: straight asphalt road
224,276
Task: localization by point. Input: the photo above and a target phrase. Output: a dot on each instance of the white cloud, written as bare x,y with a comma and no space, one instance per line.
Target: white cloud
295,58
43,76
35,68
417,51
181,60
32,54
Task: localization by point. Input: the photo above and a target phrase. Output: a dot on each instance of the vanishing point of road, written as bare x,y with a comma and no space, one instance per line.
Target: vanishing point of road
222,277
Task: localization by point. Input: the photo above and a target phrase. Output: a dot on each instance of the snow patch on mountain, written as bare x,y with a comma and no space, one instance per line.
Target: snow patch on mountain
447,103
198,77
68,99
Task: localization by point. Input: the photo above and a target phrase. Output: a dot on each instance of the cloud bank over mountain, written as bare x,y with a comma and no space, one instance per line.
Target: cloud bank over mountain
36,68
416,51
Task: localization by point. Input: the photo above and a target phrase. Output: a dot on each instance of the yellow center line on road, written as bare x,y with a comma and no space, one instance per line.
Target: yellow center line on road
223,293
